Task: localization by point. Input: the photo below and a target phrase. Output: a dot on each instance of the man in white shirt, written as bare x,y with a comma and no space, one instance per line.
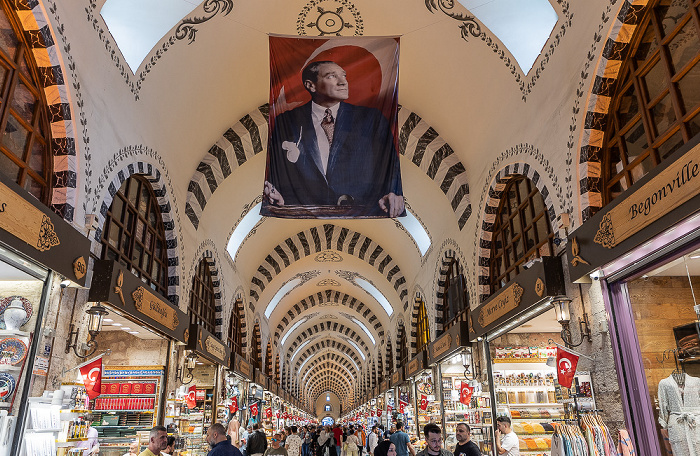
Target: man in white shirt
373,440
506,440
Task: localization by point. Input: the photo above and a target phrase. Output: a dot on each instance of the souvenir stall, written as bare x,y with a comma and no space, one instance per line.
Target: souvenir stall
397,383
643,251
425,402
237,388
387,396
522,333
260,400
38,251
464,398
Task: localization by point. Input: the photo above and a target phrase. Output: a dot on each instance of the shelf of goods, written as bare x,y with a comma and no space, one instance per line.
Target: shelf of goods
477,413
194,421
53,429
193,445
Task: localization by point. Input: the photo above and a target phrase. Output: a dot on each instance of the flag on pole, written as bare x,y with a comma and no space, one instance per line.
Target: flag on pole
566,367
91,374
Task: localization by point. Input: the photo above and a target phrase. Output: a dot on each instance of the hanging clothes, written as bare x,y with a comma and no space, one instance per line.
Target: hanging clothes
624,444
568,440
679,413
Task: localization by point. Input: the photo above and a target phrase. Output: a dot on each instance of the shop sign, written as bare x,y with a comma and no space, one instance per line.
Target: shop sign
35,230
543,280
208,345
416,364
666,195
385,385
453,339
243,367
397,377
112,283
128,372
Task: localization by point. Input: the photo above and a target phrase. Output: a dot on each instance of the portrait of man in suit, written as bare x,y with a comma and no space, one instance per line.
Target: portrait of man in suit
329,158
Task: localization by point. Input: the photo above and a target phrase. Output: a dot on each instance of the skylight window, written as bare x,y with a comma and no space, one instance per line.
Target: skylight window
291,330
138,25
416,230
376,294
299,349
523,27
286,288
357,348
364,328
244,226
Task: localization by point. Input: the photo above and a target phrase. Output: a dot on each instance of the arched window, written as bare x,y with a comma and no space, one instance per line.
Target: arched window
521,231
257,349
423,335
25,151
656,103
202,305
235,336
403,347
455,301
389,358
134,235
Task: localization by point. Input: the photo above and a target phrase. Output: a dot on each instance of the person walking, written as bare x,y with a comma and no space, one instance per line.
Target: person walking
373,439
306,441
219,442
465,446
157,441
402,441
433,439
293,443
275,448
352,444
338,436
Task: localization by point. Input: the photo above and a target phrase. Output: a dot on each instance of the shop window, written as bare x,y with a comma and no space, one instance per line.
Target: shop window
455,302
327,408
656,104
235,336
25,145
202,307
403,347
134,235
521,231
423,335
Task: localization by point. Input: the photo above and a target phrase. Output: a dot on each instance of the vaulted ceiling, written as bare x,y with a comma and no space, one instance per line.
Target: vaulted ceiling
200,94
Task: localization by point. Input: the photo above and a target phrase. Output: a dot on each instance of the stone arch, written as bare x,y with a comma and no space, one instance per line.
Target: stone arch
329,371
154,176
328,237
598,106
327,358
413,337
322,378
323,298
239,306
256,345
332,384
332,327
418,142
209,257
62,120
448,254
327,343
495,191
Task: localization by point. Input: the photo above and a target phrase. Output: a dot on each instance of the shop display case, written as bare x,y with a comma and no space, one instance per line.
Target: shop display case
428,408
194,445
191,421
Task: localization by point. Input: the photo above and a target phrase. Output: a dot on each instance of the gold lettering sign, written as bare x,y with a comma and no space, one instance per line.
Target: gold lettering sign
665,192
413,366
79,268
508,300
539,287
244,368
148,304
442,345
20,218
395,377
215,347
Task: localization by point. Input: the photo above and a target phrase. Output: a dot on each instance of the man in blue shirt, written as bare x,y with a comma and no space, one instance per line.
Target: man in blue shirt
401,441
220,445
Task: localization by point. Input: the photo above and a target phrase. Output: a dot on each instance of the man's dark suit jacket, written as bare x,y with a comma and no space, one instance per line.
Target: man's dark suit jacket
362,163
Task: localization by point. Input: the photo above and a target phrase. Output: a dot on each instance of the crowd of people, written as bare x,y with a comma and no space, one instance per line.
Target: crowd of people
347,440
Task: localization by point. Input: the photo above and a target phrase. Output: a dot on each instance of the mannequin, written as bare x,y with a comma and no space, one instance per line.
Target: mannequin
233,431
679,412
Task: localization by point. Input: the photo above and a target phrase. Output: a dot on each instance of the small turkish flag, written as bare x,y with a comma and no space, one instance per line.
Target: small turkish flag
402,406
389,408
254,409
92,377
423,402
566,367
268,412
191,398
233,408
371,413
277,414
379,413
465,393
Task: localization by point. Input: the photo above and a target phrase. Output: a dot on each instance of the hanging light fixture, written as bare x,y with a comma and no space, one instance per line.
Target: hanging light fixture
190,361
562,311
96,315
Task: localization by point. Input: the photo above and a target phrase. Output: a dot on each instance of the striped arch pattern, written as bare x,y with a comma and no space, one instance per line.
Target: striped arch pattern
276,369
327,343
256,345
239,307
267,359
389,354
489,216
326,359
208,255
413,336
332,384
53,78
326,237
592,135
333,327
324,297
440,295
333,373
155,178
418,142
397,348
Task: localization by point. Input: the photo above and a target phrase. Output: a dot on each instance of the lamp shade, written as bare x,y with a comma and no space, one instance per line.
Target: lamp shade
96,313
561,309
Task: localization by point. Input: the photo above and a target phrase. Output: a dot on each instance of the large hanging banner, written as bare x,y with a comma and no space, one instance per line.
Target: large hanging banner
332,144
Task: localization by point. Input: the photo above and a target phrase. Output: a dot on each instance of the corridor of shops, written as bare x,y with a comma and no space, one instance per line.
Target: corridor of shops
349,228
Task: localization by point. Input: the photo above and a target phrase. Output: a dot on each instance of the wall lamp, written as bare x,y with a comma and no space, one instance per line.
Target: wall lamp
470,369
96,314
563,314
190,360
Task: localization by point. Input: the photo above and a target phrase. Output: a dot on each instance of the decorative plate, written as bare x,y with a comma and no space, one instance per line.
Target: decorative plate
7,386
12,351
5,302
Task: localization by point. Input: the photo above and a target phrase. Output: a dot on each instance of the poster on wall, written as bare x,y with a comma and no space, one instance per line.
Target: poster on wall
332,137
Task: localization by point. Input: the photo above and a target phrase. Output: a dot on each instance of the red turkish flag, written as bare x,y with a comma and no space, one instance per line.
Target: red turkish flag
277,414
191,398
371,413
268,412
389,409
402,406
92,377
254,409
423,402
379,413
233,408
566,367
465,393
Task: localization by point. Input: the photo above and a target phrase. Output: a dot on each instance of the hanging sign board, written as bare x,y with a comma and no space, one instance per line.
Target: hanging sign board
241,366
208,345
449,342
32,228
666,195
385,385
114,284
417,364
543,280
397,377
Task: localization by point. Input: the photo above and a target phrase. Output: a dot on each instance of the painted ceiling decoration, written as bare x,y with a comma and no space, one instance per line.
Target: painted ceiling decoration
330,17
